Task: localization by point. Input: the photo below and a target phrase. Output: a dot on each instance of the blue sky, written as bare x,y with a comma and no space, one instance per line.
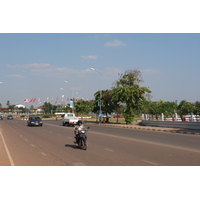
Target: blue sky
36,65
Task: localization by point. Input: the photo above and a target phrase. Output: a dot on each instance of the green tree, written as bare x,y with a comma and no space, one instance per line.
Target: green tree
197,108
117,105
168,108
185,108
47,108
8,103
107,102
82,106
128,91
156,108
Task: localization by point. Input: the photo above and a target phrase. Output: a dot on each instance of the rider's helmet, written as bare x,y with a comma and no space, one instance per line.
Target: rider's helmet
79,122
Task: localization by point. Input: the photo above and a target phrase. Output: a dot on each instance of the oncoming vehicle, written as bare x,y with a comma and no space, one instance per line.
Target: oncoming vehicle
1,117
34,121
10,117
69,119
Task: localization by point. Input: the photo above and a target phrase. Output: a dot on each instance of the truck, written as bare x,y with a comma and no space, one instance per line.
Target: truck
69,119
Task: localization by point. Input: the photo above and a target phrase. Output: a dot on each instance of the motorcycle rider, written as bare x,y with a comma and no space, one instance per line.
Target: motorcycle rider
77,129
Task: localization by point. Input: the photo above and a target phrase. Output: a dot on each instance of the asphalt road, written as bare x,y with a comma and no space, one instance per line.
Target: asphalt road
52,145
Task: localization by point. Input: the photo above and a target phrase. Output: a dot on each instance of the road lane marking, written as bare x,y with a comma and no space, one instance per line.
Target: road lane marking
26,140
7,151
152,143
32,145
142,141
149,162
109,149
44,154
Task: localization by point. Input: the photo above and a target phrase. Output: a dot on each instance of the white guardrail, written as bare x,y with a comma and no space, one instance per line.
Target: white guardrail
172,124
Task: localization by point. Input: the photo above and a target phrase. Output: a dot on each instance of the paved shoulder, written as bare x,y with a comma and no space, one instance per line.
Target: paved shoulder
4,160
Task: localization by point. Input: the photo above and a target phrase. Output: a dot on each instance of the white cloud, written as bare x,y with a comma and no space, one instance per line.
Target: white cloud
59,72
37,65
47,70
33,65
90,57
16,76
114,43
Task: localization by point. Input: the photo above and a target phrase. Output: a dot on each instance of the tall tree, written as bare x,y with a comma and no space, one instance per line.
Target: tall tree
83,107
8,103
107,105
197,110
47,108
128,91
185,108
156,108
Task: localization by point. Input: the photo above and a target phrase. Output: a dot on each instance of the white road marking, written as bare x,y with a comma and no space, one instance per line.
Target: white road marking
109,149
7,151
32,145
44,154
26,140
152,143
149,162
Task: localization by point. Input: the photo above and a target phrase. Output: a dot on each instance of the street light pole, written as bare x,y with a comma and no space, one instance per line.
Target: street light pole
100,111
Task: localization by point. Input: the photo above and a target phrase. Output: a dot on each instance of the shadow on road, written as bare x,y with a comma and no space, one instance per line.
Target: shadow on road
71,145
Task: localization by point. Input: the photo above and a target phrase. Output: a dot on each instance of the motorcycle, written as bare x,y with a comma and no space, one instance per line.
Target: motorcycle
82,139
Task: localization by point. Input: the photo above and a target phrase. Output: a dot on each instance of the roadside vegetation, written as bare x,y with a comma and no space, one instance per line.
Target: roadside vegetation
126,99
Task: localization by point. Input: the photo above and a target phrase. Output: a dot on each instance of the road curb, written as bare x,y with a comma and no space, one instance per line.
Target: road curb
151,129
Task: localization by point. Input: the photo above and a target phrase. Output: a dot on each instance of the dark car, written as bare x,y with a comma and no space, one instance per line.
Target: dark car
23,116
10,117
1,117
46,116
34,121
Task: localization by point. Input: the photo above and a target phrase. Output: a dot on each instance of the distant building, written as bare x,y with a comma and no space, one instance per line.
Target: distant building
4,109
40,109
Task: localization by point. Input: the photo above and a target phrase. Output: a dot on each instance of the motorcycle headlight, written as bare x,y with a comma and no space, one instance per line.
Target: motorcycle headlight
82,131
